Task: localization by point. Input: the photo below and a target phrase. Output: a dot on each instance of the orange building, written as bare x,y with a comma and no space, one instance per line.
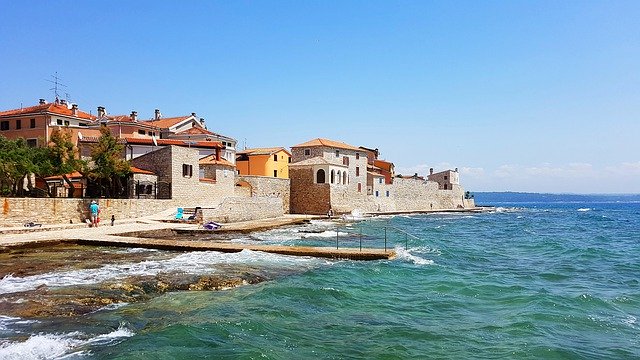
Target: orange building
272,162
36,123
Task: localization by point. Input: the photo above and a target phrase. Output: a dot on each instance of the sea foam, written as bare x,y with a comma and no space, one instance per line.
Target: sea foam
56,346
191,263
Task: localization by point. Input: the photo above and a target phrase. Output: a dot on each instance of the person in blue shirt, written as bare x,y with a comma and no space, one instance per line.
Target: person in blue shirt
95,210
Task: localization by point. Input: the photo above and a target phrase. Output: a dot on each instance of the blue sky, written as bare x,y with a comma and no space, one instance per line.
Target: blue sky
519,95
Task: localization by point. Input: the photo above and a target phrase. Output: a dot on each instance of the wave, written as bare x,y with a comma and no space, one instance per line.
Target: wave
54,346
584,209
407,256
196,263
324,234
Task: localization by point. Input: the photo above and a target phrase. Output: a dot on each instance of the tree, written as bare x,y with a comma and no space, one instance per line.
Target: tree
109,167
62,155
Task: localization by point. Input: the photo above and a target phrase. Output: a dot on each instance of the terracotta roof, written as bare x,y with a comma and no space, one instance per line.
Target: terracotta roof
160,142
166,123
262,151
136,170
374,174
212,181
317,160
211,160
73,175
51,107
382,164
327,143
195,131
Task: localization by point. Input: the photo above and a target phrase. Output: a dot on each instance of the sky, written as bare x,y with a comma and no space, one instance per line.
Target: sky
538,96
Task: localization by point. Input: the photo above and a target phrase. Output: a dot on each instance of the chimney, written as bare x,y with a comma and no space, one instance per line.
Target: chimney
456,169
42,101
134,115
202,123
101,111
194,115
74,109
431,171
63,102
157,114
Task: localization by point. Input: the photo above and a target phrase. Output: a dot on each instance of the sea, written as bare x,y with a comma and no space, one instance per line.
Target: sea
539,276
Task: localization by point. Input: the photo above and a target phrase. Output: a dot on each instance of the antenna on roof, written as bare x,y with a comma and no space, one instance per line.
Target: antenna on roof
56,83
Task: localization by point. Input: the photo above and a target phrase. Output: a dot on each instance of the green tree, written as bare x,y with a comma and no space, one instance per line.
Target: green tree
109,167
62,156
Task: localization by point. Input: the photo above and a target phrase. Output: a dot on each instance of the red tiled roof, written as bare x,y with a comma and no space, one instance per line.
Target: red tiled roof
166,123
162,142
263,151
211,160
327,143
195,131
73,175
136,170
51,107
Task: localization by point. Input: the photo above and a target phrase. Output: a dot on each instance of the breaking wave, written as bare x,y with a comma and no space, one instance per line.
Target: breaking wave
55,346
191,263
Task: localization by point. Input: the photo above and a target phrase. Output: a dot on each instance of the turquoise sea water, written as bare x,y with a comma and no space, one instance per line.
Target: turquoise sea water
548,279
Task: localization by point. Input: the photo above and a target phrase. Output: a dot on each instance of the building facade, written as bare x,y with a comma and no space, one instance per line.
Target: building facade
272,162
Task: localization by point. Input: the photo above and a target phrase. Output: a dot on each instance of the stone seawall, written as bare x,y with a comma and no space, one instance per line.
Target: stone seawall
18,211
235,209
264,186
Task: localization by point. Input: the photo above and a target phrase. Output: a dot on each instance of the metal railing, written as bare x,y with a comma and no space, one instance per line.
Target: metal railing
386,230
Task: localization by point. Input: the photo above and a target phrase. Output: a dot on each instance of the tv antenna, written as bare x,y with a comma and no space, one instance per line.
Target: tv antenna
56,85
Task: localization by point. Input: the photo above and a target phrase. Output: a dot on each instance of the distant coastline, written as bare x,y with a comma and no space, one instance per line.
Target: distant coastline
489,198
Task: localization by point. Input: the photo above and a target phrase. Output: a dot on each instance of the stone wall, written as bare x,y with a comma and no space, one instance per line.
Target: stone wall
269,187
306,196
18,211
233,209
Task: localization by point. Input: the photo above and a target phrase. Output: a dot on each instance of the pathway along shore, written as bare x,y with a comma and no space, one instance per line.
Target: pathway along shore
124,234
11,238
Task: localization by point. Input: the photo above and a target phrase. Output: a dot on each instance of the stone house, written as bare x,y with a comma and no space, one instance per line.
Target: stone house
327,174
445,179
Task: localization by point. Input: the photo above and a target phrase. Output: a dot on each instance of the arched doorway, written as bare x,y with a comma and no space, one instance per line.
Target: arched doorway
320,176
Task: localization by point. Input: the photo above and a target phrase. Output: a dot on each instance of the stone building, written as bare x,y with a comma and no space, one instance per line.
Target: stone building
445,179
327,174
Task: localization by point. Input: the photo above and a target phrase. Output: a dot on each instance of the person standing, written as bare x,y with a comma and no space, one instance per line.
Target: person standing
95,210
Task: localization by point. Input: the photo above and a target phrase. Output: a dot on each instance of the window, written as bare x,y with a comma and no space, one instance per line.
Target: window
141,132
18,124
4,125
387,193
380,180
289,159
187,170
59,121
337,153
66,123
357,171
275,173
333,175
33,123
445,177
275,157
32,143
345,160
445,186
307,152
339,178
357,156
320,176
359,187
377,193
344,178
